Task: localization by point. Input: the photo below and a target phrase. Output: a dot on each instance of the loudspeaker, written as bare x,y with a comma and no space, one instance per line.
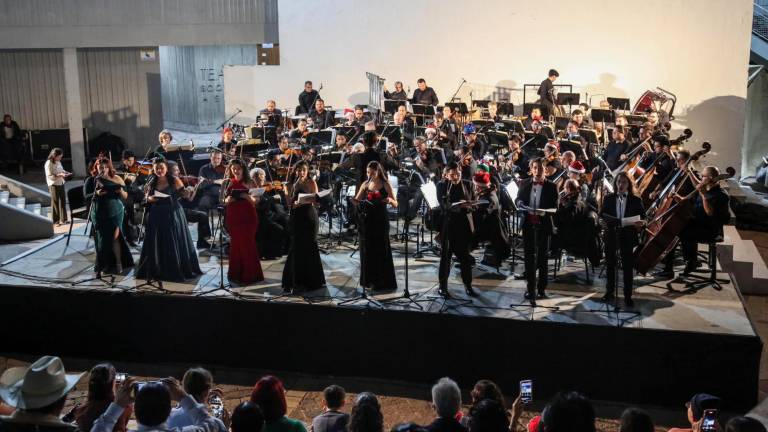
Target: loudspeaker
42,141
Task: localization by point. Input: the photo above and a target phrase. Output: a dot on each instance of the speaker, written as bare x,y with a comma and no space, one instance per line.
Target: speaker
42,141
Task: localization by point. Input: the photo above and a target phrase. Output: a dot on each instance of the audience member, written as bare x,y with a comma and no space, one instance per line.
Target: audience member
366,414
152,406
197,382
744,424
38,393
568,412
247,417
635,420
488,415
332,419
269,394
446,401
695,409
483,389
101,392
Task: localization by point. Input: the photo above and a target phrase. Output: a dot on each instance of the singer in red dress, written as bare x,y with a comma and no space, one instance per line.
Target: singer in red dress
242,223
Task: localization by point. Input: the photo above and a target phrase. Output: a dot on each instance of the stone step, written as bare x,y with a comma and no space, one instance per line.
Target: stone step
34,208
742,259
45,211
4,196
19,202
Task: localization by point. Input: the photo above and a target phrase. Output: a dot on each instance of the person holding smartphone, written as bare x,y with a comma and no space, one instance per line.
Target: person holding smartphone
696,408
55,177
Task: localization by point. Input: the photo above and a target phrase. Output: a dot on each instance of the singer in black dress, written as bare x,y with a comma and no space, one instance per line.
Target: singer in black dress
168,252
303,269
377,270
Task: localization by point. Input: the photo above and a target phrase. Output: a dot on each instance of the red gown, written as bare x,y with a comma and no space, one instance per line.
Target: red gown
242,222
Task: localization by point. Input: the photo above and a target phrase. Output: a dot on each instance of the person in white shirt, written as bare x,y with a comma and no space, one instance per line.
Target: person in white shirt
55,176
198,383
152,405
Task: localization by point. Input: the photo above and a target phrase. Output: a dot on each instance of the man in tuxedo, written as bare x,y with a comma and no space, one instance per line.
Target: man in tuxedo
458,227
210,176
621,204
307,98
536,193
424,95
272,121
321,118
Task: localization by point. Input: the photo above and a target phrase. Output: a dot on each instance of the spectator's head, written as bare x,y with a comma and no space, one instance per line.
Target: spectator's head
553,74
247,417
153,404
7,119
334,397
744,424
568,412
366,414
56,154
101,382
269,394
488,415
446,398
197,383
486,389
42,387
635,420
700,402
369,139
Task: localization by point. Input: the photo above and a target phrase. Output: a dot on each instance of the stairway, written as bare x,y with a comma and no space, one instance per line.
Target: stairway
24,212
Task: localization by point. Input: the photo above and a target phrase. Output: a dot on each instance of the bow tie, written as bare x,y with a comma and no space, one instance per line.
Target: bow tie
539,182
622,195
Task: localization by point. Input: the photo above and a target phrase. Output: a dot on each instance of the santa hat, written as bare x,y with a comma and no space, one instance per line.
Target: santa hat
483,167
577,167
431,126
348,110
482,178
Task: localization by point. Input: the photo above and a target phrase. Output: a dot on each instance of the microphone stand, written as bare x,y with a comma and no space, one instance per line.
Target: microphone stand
461,84
229,118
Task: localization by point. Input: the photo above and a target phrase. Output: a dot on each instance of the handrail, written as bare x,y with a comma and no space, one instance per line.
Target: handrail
760,21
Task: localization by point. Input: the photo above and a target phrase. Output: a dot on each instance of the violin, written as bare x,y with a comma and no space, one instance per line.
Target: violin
276,186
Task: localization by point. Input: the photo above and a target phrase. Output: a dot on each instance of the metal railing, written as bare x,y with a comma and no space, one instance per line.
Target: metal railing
760,21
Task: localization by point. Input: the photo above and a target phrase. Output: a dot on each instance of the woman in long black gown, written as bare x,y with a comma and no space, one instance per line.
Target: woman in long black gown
168,252
377,271
106,214
303,269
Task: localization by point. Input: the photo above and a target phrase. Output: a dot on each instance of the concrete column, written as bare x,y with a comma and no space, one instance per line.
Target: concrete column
74,111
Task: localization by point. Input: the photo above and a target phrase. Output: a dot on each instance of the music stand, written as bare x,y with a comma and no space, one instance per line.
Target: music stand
391,105
458,107
505,108
619,103
497,138
322,138
391,132
568,99
347,131
422,111
513,126
603,115
482,123
561,122
589,135
574,146
635,120
480,103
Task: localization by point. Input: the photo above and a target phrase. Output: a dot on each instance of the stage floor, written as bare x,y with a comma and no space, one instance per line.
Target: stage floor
659,304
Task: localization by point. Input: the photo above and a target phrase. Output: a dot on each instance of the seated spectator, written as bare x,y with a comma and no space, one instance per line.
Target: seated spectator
695,409
38,394
484,389
197,382
153,406
488,415
744,424
101,392
247,417
635,420
568,412
446,401
366,414
269,394
332,419
407,427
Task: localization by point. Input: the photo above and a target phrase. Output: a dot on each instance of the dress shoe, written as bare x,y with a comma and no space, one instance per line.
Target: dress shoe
541,295
608,297
529,295
663,274
443,291
470,292
629,303
689,268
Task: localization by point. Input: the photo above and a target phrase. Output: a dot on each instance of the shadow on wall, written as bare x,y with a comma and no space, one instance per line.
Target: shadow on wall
360,98
605,88
719,120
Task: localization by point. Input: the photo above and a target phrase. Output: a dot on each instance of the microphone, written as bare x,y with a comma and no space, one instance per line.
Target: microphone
321,86
408,90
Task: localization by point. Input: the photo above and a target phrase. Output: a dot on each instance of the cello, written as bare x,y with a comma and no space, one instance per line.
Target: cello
663,230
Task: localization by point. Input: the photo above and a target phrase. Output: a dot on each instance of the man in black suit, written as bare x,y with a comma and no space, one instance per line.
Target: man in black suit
424,95
321,118
307,98
621,204
546,92
536,193
359,161
458,227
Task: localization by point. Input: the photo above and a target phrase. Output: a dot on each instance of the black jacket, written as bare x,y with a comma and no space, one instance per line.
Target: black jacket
445,425
547,200
426,97
396,95
634,207
307,101
321,120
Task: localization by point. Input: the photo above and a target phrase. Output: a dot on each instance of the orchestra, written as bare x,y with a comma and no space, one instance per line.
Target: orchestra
572,191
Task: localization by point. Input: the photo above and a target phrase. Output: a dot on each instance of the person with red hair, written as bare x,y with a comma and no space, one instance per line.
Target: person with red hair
269,395
228,143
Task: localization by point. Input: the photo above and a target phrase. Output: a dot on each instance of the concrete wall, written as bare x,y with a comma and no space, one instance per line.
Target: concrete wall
121,23
698,49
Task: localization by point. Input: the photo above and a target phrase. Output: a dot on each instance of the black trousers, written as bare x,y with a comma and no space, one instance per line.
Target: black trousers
625,249
456,241
536,252
58,203
208,201
695,232
202,221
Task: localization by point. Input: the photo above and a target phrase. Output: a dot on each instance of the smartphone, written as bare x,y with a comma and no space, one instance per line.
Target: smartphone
216,405
120,378
526,391
710,418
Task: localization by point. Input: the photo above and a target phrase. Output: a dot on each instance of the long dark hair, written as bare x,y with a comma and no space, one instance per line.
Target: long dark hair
623,174
366,415
100,395
379,170
55,152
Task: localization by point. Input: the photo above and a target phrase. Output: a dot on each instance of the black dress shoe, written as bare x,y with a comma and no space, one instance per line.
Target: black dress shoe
629,303
607,298
689,268
529,295
443,291
663,274
470,292
541,295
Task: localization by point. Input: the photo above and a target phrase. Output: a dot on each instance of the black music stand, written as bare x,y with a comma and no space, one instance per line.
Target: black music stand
458,107
515,126
321,138
589,135
391,132
619,103
482,123
603,115
497,139
391,105
347,131
561,122
567,145
505,108
568,99
421,112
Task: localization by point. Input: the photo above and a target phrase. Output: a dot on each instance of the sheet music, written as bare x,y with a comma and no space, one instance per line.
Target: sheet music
256,192
512,190
538,211
323,193
159,194
630,221
218,182
429,190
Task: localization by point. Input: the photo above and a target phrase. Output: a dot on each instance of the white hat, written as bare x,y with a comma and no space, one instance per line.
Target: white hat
37,386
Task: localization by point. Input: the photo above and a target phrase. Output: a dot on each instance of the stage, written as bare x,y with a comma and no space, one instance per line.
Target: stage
678,343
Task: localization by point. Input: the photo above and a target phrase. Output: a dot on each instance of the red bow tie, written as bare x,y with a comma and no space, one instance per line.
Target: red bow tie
539,182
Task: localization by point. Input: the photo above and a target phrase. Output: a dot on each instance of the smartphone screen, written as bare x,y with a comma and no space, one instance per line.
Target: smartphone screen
710,418
526,391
